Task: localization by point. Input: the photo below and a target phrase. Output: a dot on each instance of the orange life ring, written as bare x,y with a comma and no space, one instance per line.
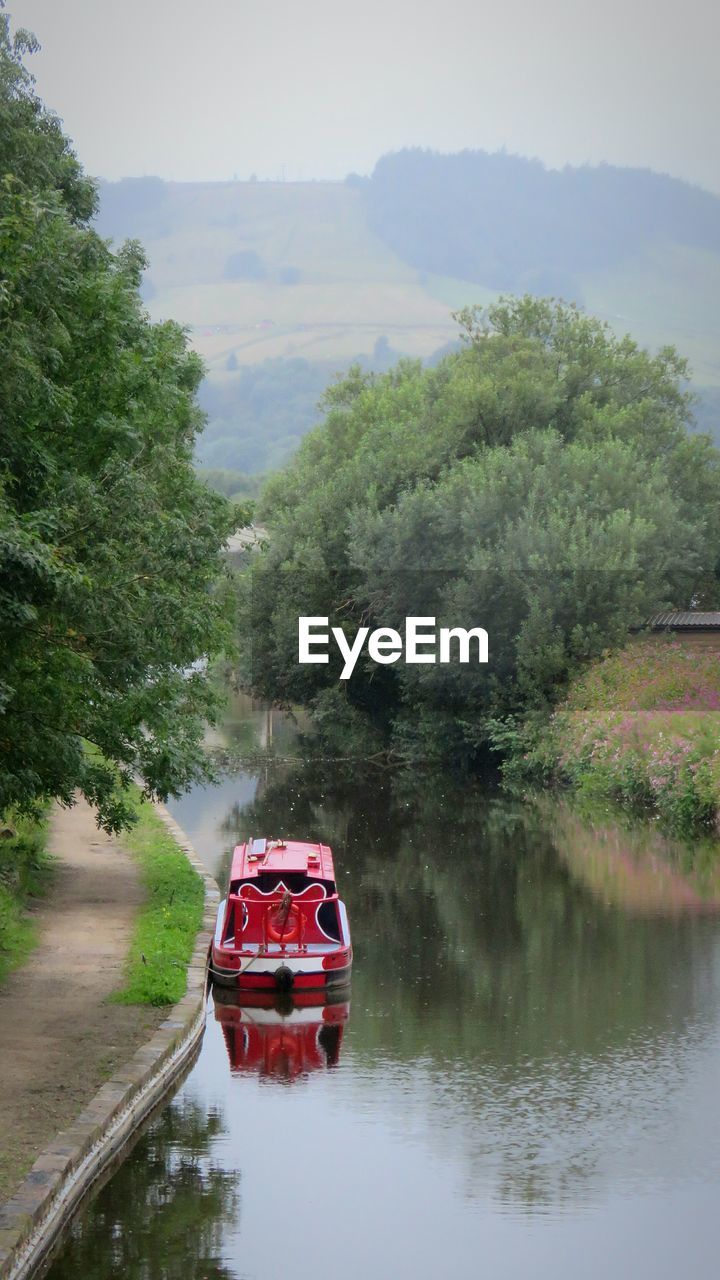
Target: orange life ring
282,924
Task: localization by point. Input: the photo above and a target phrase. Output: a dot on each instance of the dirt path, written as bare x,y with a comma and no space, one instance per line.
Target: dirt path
59,1038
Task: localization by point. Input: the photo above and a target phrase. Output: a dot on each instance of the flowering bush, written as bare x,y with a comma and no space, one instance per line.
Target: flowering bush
642,725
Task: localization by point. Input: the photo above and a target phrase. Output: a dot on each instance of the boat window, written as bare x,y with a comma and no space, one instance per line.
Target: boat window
327,918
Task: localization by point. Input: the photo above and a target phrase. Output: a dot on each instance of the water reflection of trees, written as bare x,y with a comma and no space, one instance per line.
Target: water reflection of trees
162,1215
633,864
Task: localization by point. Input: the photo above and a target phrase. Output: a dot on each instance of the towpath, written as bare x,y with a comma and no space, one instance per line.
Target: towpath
60,1038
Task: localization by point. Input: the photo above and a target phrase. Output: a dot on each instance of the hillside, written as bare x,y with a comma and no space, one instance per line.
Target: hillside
636,248
315,281
315,275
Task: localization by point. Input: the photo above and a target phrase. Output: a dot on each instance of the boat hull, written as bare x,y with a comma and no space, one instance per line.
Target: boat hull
284,971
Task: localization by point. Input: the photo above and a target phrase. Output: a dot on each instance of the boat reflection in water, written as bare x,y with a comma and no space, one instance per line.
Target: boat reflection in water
278,1035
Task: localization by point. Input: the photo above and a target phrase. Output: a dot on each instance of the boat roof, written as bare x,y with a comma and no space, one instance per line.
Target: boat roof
257,856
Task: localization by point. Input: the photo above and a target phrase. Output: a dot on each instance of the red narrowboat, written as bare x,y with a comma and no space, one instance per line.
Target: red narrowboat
282,925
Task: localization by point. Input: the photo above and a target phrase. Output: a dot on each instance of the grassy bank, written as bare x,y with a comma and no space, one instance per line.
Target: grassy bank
165,930
643,727
24,869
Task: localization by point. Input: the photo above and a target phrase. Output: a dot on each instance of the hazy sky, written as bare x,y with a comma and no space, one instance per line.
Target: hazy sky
205,89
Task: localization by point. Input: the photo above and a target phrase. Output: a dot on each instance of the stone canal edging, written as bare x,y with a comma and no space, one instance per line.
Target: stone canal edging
32,1220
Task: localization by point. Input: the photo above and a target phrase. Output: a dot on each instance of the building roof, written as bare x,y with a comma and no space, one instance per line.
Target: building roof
690,620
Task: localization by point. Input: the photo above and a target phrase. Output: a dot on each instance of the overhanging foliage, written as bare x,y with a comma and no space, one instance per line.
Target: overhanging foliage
110,548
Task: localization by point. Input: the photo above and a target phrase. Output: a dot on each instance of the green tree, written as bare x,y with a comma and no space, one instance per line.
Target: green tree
540,482
110,547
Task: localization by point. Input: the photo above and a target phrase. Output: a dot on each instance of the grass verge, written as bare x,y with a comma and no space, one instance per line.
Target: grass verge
166,927
24,869
641,727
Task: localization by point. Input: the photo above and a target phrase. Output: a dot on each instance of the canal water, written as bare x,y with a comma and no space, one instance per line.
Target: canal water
522,1081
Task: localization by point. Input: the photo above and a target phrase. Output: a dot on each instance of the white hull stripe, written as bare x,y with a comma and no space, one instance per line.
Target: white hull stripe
270,1017
299,964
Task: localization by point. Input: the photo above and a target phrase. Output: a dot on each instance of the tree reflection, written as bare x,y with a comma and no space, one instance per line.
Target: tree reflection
162,1215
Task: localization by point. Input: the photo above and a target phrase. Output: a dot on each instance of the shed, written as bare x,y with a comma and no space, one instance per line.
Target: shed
699,628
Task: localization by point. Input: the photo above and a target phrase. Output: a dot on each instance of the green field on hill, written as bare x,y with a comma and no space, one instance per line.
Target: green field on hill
326,287
351,288
287,272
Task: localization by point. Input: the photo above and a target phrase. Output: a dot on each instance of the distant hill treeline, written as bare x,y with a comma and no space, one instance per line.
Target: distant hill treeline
257,416
511,224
